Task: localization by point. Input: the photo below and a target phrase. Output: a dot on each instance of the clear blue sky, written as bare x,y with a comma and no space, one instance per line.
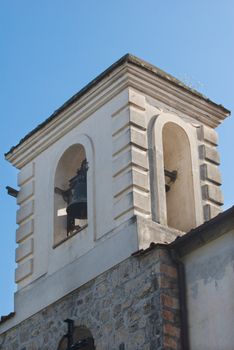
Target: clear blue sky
51,48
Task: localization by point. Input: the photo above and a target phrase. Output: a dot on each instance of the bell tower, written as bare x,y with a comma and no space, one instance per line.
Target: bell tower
129,160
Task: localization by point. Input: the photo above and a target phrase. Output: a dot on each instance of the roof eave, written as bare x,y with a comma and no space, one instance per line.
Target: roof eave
128,58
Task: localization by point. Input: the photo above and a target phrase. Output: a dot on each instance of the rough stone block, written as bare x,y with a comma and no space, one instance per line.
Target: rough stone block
23,270
211,173
210,211
126,299
24,212
140,158
139,138
170,343
26,191
208,135
171,330
209,153
140,179
212,193
25,174
24,249
24,231
138,118
168,270
137,99
141,201
170,301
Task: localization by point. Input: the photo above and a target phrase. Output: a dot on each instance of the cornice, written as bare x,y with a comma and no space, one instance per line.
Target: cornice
182,100
69,118
127,72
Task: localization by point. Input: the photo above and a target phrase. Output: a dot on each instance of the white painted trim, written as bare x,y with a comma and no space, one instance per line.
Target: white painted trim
86,142
158,203
172,95
125,76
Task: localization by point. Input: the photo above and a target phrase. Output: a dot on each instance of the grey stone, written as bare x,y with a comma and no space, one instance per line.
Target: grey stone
121,308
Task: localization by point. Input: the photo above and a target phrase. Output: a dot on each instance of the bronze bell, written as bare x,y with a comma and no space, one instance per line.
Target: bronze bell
77,195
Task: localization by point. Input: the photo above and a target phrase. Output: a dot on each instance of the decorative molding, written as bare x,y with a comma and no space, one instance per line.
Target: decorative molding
24,250
210,211
24,212
24,231
130,160
69,118
211,173
25,219
212,193
208,135
209,153
212,196
125,76
23,270
26,174
26,191
183,101
157,176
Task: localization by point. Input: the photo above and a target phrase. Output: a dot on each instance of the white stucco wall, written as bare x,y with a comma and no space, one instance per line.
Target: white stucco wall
94,133
112,121
210,294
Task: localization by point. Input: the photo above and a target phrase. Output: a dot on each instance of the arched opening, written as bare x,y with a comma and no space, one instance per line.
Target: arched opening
68,173
180,202
82,337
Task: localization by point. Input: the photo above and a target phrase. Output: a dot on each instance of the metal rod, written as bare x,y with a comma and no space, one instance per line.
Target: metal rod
171,174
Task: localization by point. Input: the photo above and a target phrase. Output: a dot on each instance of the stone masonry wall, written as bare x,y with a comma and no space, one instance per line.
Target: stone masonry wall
133,306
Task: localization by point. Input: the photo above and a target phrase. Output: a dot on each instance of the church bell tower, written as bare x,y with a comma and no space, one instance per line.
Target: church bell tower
129,160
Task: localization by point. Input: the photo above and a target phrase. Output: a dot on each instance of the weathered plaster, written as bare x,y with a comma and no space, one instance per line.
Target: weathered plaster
210,285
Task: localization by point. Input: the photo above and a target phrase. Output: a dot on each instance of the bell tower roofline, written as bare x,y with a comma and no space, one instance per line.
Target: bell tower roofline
152,175
130,67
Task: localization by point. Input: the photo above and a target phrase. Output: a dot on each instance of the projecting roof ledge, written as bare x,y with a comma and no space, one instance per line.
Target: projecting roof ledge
128,58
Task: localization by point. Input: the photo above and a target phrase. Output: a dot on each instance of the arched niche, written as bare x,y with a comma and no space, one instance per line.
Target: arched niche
80,333
180,204
67,167
173,147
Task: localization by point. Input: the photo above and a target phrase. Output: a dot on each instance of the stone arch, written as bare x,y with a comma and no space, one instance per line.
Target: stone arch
180,204
164,151
85,142
80,334
67,167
